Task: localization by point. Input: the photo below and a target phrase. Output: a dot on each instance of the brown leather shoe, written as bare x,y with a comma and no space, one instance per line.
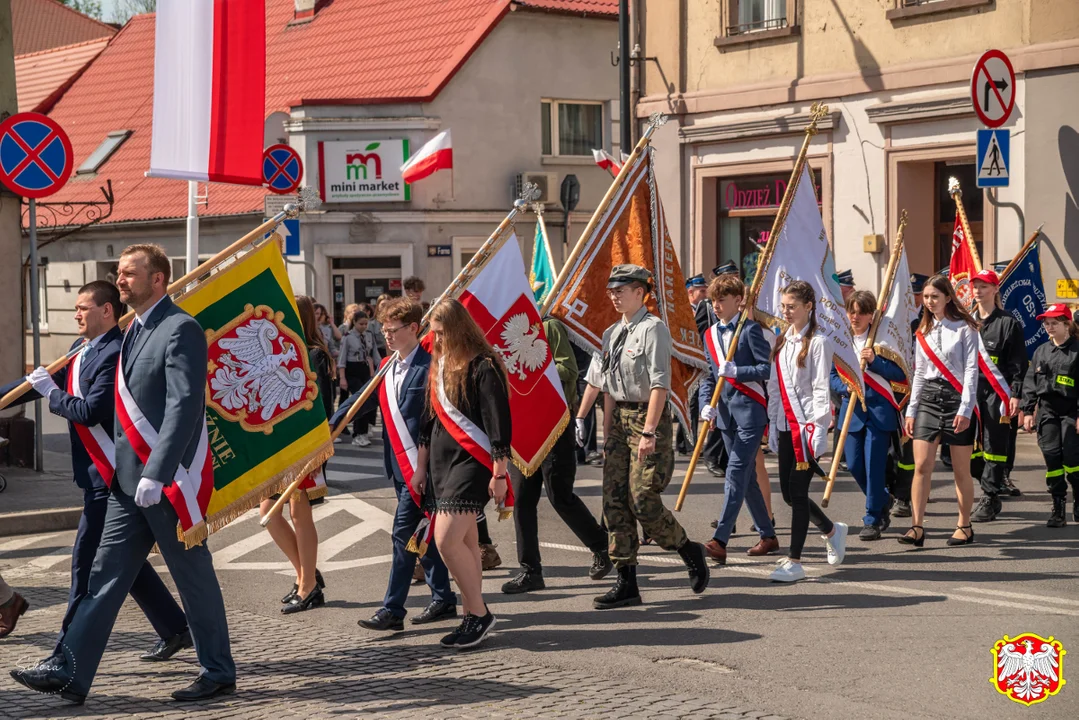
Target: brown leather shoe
766,546
716,551
489,558
10,612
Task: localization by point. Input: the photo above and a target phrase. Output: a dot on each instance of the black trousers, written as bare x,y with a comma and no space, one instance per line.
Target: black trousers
794,484
899,473
356,375
989,462
1014,433
556,475
1059,443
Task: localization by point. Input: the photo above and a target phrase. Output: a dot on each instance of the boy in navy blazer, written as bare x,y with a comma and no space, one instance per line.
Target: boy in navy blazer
741,414
871,428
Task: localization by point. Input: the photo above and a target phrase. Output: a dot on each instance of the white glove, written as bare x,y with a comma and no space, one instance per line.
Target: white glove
708,413
579,432
148,493
728,369
773,440
42,382
818,442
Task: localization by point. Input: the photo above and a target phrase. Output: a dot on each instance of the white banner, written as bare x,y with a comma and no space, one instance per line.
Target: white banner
363,171
802,252
894,336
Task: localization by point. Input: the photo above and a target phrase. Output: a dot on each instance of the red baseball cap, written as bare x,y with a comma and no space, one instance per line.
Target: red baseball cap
987,276
1060,310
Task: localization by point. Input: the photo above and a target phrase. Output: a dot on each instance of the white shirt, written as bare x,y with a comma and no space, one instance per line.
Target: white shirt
808,386
400,369
93,343
956,344
141,318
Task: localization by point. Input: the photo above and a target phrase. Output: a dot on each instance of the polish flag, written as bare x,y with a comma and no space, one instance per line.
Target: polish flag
436,155
209,90
606,161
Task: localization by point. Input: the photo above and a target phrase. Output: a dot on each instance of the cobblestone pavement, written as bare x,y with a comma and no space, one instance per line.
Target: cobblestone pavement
327,674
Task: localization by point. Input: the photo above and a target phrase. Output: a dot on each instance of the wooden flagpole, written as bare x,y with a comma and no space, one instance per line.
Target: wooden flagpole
487,251
291,210
882,300
957,194
817,113
1026,246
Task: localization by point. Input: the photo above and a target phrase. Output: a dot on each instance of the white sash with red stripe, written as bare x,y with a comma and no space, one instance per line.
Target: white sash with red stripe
991,373
753,390
802,432
97,442
943,368
192,486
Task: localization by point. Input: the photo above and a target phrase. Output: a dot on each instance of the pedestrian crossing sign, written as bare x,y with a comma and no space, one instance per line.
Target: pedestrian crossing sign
993,158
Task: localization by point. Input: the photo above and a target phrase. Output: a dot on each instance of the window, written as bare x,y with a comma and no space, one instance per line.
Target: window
756,15
571,128
745,21
43,295
903,9
973,204
104,151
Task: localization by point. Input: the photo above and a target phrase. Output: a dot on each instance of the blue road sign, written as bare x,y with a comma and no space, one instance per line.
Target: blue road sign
290,230
282,169
35,155
993,158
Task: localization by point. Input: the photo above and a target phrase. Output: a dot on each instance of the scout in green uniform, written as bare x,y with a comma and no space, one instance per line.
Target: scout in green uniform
634,370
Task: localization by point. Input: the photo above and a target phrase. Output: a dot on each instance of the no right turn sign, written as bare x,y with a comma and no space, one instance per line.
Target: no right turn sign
992,88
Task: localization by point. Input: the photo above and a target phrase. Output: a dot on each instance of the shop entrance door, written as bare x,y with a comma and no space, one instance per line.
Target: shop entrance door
352,284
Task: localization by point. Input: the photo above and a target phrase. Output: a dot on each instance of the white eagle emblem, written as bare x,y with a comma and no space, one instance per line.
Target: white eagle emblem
252,376
524,349
1028,673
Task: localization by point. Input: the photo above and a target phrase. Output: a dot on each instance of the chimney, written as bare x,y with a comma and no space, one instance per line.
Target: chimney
305,9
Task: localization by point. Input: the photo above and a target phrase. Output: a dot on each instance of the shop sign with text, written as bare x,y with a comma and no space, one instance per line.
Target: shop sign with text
362,171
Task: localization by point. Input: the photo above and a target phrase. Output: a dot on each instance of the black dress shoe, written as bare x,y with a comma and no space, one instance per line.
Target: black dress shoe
203,689
48,678
314,599
715,469
383,620
434,612
165,649
296,588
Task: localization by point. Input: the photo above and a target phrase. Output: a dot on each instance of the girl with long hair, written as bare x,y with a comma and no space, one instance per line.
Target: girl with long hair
800,409
943,398
300,542
469,439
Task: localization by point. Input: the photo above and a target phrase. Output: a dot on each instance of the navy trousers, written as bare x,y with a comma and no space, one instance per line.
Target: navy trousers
742,444
128,536
148,591
405,521
866,453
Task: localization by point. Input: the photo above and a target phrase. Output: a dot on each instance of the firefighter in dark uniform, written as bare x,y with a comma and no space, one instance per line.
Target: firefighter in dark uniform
634,371
1002,336
1051,407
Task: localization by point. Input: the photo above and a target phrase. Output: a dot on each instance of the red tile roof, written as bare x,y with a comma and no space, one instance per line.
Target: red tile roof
44,24
607,8
41,77
354,52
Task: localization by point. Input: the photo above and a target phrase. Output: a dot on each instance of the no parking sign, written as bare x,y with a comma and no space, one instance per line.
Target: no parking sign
35,155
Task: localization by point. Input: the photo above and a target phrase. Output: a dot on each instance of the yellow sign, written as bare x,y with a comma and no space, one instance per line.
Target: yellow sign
1067,288
1028,669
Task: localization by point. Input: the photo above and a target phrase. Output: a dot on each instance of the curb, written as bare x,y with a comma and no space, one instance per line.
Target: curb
38,521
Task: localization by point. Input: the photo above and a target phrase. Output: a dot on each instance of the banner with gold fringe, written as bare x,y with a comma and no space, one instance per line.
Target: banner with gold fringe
266,422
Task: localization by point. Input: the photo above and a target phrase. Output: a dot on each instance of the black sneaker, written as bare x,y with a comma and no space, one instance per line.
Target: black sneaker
450,640
383,621
475,631
869,533
902,509
522,582
987,509
601,565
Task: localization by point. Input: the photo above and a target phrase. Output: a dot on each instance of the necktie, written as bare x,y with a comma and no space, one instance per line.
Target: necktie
616,349
132,334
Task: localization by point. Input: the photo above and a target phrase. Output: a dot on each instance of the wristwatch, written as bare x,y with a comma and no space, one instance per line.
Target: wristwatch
648,434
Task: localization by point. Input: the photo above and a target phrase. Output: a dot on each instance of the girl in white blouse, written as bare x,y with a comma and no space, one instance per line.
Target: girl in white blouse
800,410
942,401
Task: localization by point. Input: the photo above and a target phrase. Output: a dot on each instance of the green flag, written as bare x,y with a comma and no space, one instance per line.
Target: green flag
542,275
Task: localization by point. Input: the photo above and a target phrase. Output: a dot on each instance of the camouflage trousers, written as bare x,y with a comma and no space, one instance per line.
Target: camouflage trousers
632,488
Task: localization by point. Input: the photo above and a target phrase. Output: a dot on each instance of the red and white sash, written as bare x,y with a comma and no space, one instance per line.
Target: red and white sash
802,431
467,434
192,486
991,373
753,390
882,385
943,368
97,442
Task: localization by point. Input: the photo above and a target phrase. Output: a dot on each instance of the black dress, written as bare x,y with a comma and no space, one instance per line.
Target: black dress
459,481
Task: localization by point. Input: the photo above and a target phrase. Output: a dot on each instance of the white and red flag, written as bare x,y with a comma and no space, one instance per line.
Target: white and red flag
606,161
965,263
501,301
435,155
209,90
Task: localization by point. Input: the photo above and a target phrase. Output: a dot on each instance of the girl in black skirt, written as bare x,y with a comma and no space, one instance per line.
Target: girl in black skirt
942,401
469,440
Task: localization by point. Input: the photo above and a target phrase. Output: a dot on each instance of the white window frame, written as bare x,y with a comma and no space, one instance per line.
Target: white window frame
554,123
43,291
461,246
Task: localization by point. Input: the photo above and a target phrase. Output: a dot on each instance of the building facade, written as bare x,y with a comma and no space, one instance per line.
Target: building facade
738,78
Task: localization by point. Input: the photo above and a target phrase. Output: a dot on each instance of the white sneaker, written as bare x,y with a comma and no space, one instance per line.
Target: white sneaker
356,440
787,571
837,544
362,441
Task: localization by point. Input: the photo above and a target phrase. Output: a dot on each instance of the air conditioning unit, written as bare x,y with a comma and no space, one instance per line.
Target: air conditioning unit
547,182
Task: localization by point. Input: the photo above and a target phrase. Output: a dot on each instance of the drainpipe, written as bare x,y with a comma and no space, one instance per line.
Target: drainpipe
625,118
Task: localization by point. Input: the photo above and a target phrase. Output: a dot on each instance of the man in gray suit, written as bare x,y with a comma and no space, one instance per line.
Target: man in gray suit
163,360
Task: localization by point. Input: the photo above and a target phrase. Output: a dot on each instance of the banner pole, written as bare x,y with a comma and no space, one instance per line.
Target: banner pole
1022,251
817,113
885,293
957,194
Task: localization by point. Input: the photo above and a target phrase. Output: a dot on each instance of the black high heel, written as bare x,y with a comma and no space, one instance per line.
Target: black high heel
917,540
296,588
314,599
966,539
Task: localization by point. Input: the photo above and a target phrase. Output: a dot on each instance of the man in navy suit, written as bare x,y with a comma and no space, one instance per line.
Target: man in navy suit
871,428
88,406
741,416
403,397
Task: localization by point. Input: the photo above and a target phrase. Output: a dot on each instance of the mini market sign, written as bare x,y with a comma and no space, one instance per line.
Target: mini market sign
363,171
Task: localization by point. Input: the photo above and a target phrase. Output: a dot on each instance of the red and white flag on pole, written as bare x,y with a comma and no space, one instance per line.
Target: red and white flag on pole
606,161
435,155
209,90
965,264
